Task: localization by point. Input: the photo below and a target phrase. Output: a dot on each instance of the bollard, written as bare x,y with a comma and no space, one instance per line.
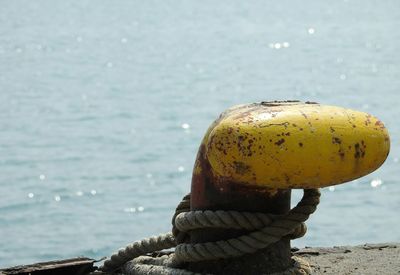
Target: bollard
248,162
254,154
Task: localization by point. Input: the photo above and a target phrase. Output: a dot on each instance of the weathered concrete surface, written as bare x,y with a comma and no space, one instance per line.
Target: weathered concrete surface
368,259
373,259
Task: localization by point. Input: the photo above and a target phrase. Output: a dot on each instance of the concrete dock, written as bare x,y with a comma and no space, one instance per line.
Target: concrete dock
365,259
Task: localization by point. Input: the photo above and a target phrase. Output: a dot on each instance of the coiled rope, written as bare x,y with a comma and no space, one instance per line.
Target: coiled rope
265,229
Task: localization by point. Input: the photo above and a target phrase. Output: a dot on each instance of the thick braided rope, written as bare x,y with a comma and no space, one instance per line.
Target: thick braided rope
185,220
290,225
146,265
253,241
137,249
183,207
222,219
249,221
151,244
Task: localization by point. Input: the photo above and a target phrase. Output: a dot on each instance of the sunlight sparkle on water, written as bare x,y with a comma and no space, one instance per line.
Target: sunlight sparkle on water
181,169
93,192
376,183
279,45
31,195
185,126
311,30
42,177
133,209
130,209
57,198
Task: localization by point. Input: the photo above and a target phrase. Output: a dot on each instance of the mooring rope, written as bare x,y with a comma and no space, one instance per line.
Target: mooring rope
154,266
137,249
265,229
147,265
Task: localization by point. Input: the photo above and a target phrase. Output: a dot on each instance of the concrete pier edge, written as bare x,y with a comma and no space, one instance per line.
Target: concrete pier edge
367,259
383,258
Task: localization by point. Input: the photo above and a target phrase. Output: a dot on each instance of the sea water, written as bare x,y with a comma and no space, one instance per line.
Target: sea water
103,105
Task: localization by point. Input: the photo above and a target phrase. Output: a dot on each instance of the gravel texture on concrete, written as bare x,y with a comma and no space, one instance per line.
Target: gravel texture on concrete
367,259
364,259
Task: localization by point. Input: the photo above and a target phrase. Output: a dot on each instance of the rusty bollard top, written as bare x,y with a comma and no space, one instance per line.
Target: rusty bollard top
284,145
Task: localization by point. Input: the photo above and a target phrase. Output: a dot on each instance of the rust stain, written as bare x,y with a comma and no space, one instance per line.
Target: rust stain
241,168
279,142
245,114
341,154
244,145
379,124
287,178
367,120
359,150
336,140
279,102
285,124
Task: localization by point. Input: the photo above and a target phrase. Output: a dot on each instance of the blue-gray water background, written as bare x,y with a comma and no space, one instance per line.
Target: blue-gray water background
103,105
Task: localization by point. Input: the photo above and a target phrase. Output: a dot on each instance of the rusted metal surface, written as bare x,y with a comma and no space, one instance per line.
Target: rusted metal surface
253,154
216,193
75,266
295,145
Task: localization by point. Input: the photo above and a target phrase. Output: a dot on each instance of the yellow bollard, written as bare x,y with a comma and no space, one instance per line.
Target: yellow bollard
254,154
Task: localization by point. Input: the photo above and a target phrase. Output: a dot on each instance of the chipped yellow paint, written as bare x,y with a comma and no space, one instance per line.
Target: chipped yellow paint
295,145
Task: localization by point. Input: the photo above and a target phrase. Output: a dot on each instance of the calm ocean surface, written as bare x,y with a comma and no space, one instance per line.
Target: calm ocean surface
103,105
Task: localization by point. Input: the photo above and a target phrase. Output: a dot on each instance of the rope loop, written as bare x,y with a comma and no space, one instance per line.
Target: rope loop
263,230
